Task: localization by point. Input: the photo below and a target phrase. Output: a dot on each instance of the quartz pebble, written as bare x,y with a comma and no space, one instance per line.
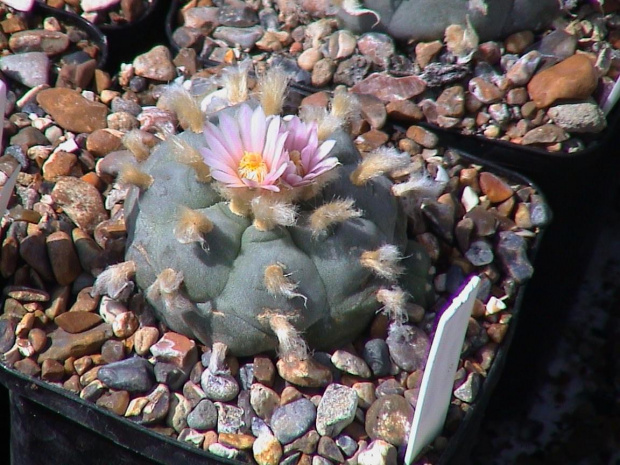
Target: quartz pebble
336,409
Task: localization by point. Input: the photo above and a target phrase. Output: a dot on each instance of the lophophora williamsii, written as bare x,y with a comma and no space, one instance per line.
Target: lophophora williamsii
264,232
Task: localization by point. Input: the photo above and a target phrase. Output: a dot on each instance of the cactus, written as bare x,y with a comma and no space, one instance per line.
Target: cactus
261,254
428,19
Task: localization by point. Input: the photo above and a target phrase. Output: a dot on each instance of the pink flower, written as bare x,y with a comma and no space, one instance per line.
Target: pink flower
247,151
308,159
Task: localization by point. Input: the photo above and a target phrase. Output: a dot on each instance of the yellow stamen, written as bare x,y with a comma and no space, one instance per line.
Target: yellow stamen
252,167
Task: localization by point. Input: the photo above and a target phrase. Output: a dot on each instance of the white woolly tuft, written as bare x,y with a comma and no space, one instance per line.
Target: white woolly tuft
292,345
167,288
337,211
235,80
116,281
382,161
394,302
421,186
186,154
178,100
383,261
344,104
217,364
278,283
131,174
272,87
192,226
134,142
269,213
327,122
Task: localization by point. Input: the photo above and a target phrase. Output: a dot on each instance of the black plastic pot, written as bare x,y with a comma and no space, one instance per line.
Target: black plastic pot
128,40
94,34
50,425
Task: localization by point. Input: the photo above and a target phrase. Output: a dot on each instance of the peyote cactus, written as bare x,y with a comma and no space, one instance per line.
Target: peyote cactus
281,234
428,19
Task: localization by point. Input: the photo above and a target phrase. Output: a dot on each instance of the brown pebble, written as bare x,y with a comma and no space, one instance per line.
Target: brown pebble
81,202
573,78
496,189
237,440
264,370
64,345
422,136
64,259
404,110
33,251
52,370
26,294
103,141
114,401
38,339
371,140
28,367
77,321
71,111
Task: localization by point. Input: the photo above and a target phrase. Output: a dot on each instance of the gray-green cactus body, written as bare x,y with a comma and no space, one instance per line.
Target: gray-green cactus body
428,19
225,296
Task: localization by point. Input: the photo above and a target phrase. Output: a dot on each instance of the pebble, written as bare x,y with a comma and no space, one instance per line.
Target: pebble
64,345
263,400
582,117
336,409
81,202
220,450
220,387
480,253
485,91
388,88
349,363
242,37
125,325
305,373
114,401
290,421
496,189
378,452
341,44
177,412
377,47
512,252
30,69
229,418
573,78
545,134
203,416
264,370
77,321
202,16
112,350
155,64
134,374
63,257
408,346
468,391
306,444
71,111
39,40
389,419
59,164
328,449
267,450
175,348
377,356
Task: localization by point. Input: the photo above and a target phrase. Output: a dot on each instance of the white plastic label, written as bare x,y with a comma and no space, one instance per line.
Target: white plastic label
438,379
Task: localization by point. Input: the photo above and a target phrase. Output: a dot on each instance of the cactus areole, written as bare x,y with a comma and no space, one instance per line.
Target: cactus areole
273,230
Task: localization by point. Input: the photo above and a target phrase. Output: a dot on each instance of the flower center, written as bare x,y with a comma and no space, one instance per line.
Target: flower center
252,167
295,157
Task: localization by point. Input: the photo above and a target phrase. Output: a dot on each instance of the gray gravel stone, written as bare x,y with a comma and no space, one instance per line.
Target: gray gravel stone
336,409
291,421
30,69
203,416
133,374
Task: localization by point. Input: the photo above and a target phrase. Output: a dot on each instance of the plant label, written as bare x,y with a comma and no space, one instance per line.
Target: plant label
438,379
